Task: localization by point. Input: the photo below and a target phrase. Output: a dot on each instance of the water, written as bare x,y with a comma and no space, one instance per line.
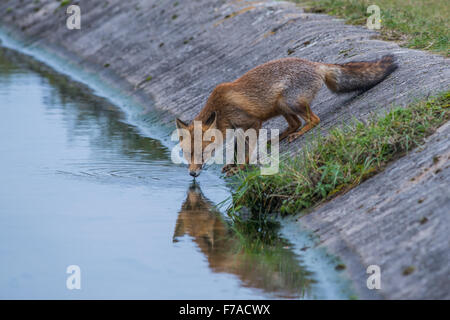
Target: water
82,186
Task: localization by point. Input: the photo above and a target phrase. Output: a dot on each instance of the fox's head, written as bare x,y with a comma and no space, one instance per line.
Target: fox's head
195,158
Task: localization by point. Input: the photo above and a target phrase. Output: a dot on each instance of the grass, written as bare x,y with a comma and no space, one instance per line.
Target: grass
256,233
419,24
64,3
331,165
257,242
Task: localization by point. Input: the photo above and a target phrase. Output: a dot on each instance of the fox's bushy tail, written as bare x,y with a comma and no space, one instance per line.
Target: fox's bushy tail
361,75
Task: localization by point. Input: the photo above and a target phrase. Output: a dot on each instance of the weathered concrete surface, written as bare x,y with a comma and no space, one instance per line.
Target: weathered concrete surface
398,220
188,47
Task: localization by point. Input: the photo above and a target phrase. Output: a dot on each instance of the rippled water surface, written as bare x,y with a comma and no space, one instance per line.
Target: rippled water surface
81,186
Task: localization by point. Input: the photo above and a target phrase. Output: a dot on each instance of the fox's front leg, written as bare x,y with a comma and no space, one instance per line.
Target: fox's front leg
231,169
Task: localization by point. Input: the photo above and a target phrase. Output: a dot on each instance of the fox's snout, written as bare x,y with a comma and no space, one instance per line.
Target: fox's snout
195,170
194,173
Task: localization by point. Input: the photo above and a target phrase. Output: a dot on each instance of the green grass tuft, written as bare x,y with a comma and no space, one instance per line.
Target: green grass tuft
419,24
64,3
331,165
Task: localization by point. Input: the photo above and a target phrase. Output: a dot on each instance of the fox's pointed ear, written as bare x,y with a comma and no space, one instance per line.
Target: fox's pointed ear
211,121
181,124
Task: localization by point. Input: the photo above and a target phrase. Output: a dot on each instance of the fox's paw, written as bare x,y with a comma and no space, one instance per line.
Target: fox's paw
292,137
228,167
232,169
232,172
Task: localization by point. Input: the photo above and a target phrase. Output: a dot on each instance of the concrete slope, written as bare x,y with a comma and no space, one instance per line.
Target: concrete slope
188,47
398,220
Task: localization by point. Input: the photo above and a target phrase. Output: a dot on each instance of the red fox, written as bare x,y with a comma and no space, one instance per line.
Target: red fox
283,87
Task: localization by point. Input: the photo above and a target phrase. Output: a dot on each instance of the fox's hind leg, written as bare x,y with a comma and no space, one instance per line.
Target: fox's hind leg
290,115
293,122
298,97
304,110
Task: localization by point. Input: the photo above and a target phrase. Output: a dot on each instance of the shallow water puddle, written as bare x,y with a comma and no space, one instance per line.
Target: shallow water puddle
81,186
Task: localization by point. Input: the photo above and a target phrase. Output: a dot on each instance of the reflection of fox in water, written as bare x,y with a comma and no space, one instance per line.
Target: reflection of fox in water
210,232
